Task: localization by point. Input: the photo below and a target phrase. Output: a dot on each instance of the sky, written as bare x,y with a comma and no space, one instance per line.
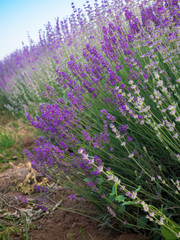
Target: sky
18,18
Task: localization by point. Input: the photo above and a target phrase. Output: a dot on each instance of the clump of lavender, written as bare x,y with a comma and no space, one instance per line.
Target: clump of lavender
111,122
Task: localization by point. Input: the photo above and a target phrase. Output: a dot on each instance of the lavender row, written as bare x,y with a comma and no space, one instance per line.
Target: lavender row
109,113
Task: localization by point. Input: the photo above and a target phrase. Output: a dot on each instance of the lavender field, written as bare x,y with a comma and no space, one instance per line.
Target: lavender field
102,90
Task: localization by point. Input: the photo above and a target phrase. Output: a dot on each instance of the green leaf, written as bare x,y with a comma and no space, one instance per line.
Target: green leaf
141,222
120,198
129,203
167,234
138,189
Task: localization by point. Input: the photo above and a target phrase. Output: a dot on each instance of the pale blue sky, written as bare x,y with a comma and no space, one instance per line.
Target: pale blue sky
17,17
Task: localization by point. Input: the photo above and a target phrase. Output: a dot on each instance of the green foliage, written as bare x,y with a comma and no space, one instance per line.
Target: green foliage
11,226
3,101
168,234
120,198
6,140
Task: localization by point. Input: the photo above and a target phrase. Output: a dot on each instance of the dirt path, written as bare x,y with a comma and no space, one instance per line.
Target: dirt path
63,223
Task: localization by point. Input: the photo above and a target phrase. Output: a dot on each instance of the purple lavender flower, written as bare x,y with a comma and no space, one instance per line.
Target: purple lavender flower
130,139
92,185
72,197
23,199
111,149
104,112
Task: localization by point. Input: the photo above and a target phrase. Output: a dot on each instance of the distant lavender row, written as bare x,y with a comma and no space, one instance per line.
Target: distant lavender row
27,68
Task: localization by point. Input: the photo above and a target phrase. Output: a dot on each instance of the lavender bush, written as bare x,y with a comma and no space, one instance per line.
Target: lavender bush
110,116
